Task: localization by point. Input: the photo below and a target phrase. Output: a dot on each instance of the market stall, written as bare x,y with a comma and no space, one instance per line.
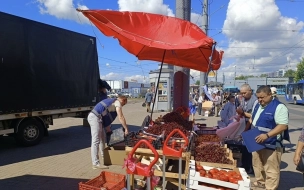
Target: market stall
153,150
186,154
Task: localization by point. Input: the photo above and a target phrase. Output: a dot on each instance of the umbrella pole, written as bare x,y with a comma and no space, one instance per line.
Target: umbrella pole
156,90
210,61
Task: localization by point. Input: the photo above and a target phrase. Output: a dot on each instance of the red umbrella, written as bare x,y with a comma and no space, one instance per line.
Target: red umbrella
159,38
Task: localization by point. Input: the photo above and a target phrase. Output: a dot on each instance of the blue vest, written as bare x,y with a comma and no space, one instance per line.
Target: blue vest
102,109
266,123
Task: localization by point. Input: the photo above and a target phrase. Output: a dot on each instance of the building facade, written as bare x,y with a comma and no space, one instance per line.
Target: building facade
164,96
135,88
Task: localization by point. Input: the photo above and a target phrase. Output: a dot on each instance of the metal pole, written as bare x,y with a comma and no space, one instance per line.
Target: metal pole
156,90
234,74
164,172
179,173
181,75
203,77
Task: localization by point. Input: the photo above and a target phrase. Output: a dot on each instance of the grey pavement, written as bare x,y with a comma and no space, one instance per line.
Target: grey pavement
62,160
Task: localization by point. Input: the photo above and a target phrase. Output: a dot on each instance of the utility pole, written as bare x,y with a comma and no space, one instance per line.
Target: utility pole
234,74
182,75
203,76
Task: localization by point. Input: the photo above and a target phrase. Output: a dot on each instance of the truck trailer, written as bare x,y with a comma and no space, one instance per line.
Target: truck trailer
46,73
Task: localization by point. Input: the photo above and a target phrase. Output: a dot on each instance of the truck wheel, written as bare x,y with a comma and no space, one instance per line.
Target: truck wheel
30,132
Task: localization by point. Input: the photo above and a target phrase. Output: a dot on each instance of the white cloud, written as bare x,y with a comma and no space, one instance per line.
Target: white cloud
138,78
125,77
261,38
196,19
112,76
62,9
149,6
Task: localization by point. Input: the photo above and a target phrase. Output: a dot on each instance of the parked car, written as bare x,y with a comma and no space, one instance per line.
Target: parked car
112,95
127,94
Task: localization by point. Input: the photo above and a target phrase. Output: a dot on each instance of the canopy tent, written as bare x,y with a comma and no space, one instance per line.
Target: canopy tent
148,36
159,38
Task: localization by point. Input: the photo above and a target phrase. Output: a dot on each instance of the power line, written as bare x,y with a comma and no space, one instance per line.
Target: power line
292,1
255,30
236,47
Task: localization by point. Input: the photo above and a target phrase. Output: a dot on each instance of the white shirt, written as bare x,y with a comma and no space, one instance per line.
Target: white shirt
201,99
112,108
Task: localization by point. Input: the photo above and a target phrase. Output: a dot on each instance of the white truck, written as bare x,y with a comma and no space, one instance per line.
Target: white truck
45,73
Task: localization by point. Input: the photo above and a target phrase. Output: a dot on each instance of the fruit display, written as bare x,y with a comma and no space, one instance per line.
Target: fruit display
222,175
212,153
158,129
177,118
206,138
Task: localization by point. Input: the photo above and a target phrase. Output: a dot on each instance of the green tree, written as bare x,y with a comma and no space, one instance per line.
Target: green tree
289,73
299,75
197,82
263,75
243,77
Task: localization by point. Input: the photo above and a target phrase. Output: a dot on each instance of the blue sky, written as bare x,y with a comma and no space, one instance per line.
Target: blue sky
258,36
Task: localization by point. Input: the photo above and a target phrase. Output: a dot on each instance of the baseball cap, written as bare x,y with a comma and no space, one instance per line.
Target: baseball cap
273,90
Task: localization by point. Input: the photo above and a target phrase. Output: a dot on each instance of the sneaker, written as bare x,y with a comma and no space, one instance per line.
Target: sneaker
98,166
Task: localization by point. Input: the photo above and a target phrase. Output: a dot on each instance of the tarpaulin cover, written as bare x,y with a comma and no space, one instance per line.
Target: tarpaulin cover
147,36
44,67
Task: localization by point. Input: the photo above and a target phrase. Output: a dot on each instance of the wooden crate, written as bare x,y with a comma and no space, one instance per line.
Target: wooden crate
230,157
170,176
195,178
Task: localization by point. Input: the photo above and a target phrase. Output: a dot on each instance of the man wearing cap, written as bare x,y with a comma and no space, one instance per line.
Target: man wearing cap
274,92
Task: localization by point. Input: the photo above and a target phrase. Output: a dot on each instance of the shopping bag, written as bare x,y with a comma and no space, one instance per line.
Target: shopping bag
117,136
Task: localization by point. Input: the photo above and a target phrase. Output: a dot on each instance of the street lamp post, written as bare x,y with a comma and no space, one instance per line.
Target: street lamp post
234,73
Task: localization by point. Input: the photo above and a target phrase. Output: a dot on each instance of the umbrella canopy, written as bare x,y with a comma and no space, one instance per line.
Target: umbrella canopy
158,38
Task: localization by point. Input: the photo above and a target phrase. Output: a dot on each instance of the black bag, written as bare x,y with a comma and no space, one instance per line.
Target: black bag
300,166
143,105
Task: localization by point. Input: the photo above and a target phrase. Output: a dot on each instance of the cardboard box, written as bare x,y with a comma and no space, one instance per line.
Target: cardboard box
207,105
85,122
115,155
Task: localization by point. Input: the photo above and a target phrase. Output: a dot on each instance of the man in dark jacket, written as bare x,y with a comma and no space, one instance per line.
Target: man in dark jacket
247,102
103,86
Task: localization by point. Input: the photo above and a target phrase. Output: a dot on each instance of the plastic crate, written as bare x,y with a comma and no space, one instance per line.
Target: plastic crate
106,180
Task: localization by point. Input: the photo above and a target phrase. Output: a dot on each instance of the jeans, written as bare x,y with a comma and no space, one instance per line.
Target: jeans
199,108
98,138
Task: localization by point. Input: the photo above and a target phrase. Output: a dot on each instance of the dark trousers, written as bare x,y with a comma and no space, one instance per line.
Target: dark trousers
246,158
199,108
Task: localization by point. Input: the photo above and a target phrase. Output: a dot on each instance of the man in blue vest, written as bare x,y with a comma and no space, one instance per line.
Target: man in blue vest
271,117
103,114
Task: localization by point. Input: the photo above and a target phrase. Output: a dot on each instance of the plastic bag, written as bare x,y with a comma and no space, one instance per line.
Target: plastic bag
230,130
241,128
117,136
221,124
